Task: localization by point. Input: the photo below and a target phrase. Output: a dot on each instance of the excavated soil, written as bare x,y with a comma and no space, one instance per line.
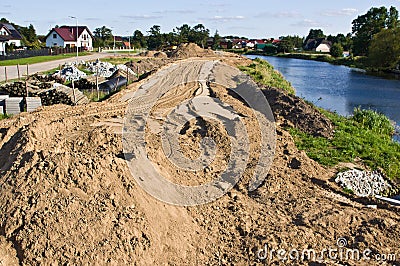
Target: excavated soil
67,195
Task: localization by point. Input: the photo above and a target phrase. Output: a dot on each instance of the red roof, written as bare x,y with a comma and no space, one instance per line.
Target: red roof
68,33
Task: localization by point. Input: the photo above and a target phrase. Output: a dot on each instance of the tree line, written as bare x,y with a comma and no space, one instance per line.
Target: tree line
375,35
155,39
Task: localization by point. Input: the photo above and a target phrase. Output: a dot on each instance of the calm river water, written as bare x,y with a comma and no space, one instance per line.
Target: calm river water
340,88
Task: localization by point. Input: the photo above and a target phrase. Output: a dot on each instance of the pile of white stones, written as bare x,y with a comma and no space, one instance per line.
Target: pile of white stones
70,73
363,183
105,69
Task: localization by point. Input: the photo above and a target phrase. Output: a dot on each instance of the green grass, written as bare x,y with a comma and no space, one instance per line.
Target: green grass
366,135
38,59
263,72
92,96
2,116
119,60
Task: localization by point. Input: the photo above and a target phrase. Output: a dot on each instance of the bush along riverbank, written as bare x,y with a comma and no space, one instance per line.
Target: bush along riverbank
366,136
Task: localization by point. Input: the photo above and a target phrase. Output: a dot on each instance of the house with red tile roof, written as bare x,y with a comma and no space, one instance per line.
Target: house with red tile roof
66,37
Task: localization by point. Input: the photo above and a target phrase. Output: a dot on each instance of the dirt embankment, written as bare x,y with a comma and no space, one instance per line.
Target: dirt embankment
67,196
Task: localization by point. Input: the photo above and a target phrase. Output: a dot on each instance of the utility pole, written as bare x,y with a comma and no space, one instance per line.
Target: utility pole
77,36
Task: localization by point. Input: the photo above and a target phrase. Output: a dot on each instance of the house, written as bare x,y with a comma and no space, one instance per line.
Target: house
65,37
9,36
318,45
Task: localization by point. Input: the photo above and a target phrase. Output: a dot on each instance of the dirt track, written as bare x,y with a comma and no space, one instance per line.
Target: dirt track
67,196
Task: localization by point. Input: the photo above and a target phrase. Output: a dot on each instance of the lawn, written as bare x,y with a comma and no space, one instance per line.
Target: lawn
38,59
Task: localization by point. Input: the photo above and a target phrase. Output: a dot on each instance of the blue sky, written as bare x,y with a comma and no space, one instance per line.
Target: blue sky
255,18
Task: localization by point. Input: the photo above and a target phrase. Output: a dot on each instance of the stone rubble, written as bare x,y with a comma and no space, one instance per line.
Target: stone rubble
106,69
69,73
363,183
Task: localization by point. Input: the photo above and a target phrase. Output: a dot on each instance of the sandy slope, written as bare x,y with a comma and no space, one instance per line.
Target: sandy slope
67,195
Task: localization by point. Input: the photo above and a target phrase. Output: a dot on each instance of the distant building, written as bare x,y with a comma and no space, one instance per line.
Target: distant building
65,37
9,36
318,45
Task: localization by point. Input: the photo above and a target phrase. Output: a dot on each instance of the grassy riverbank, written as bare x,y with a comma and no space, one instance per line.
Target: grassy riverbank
366,135
263,72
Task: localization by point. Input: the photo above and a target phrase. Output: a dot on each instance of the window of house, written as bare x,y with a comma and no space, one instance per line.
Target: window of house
54,36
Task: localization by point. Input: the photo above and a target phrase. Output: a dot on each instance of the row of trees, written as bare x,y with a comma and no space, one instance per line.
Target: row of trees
155,39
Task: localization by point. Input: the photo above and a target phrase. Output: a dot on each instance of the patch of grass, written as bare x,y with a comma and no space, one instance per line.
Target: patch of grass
38,59
348,191
263,72
119,60
92,96
2,116
366,135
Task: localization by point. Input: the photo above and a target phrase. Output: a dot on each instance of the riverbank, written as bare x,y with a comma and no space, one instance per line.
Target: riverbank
365,135
358,62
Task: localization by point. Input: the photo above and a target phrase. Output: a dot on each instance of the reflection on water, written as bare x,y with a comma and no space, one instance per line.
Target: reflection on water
339,88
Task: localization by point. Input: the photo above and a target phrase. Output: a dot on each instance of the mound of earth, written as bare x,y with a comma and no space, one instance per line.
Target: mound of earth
144,66
188,50
297,113
68,197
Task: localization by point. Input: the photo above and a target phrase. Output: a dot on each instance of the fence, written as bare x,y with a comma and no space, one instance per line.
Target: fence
17,54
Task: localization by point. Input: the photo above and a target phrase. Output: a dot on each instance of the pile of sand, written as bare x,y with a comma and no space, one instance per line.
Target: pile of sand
188,50
67,197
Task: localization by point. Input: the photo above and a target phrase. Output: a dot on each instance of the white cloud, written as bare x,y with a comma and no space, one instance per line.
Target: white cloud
341,12
182,11
287,14
227,18
141,17
309,23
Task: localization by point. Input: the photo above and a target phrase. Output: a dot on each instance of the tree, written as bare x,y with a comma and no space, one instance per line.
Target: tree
138,39
384,51
199,35
216,40
285,46
183,33
314,34
155,39
393,19
337,50
102,36
369,24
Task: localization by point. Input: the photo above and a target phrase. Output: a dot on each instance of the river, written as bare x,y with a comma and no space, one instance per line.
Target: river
340,88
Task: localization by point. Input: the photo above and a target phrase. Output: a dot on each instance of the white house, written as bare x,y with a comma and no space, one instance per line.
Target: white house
8,36
318,45
323,48
65,37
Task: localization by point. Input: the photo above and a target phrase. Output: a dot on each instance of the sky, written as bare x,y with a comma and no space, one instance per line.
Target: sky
252,19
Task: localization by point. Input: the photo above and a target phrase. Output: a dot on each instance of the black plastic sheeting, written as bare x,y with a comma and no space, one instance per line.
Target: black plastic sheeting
113,84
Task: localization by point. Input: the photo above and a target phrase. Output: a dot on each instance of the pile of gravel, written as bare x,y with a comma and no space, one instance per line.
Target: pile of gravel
363,183
106,69
70,73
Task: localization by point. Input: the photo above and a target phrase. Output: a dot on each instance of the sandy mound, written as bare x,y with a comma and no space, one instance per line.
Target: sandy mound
188,50
297,113
67,197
